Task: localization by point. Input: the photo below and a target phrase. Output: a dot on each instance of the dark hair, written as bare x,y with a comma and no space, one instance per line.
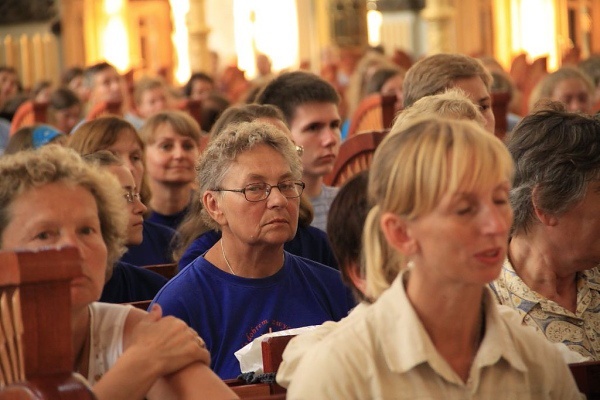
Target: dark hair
557,153
212,108
293,89
63,98
345,223
379,78
71,74
196,76
90,72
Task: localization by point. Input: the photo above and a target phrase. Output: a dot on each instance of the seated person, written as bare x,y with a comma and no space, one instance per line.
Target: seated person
127,282
246,284
551,275
120,138
310,106
441,215
64,109
150,96
34,137
51,198
568,85
172,141
194,236
434,74
344,227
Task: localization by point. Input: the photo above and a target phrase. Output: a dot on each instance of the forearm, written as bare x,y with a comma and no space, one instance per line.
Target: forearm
194,382
129,378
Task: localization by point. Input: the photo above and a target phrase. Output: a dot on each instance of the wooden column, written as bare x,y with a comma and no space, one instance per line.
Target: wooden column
198,37
441,37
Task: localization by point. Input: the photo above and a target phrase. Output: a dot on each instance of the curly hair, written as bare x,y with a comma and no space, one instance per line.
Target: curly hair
52,163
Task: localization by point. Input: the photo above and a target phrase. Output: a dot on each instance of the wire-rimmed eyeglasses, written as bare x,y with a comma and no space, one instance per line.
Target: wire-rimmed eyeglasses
132,196
260,191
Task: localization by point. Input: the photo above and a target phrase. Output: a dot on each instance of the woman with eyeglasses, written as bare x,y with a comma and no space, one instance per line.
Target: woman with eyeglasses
194,237
120,138
246,285
128,282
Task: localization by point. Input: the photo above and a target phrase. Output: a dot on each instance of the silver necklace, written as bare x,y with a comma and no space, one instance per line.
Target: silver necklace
225,258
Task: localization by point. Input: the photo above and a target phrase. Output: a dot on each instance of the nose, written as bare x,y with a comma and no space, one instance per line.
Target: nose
68,239
330,137
138,206
178,152
276,198
497,220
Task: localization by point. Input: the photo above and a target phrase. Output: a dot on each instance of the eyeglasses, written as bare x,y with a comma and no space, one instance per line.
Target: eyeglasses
260,191
132,197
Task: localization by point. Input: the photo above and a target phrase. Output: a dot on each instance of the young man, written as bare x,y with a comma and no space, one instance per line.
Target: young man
310,106
104,83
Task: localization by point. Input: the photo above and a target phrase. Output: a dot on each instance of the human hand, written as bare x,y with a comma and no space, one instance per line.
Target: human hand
167,342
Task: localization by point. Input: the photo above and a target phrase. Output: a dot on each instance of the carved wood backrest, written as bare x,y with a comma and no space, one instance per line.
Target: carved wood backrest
587,376
29,113
166,270
355,155
37,353
104,108
374,112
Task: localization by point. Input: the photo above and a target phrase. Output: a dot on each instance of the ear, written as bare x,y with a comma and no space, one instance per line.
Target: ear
397,233
353,272
543,216
210,202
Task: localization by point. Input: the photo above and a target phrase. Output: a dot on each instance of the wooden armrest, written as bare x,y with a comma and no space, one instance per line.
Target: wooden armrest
587,376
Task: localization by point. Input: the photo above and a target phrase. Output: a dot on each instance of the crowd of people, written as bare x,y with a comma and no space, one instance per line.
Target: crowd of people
458,265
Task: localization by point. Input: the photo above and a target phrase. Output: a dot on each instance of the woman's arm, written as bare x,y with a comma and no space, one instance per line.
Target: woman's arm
153,347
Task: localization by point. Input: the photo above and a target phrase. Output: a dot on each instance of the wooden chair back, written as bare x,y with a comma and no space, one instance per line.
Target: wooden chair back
104,108
500,101
355,155
374,112
36,351
166,270
27,114
587,376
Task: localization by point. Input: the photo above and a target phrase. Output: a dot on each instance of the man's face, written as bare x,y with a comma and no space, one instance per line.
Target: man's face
107,86
316,127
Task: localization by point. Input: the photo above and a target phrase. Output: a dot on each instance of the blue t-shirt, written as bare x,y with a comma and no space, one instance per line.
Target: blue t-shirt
172,221
130,283
309,242
230,311
155,248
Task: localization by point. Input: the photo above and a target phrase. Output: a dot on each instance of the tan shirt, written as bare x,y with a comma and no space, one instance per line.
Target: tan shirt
386,354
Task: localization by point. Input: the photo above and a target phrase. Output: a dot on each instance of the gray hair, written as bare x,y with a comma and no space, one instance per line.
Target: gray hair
556,153
234,140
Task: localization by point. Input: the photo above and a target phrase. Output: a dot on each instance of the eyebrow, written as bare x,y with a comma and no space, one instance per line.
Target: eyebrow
287,175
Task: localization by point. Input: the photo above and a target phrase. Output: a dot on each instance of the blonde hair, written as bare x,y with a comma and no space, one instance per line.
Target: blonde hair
453,104
413,169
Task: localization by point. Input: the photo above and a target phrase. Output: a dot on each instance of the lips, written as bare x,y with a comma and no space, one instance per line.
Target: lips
491,256
277,221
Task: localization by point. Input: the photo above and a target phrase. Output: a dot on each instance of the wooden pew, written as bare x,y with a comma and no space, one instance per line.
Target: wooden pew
35,311
166,270
587,376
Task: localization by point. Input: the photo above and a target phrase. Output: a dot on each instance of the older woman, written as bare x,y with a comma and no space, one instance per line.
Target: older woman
568,85
172,140
51,198
440,207
246,284
551,275
195,238
120,138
